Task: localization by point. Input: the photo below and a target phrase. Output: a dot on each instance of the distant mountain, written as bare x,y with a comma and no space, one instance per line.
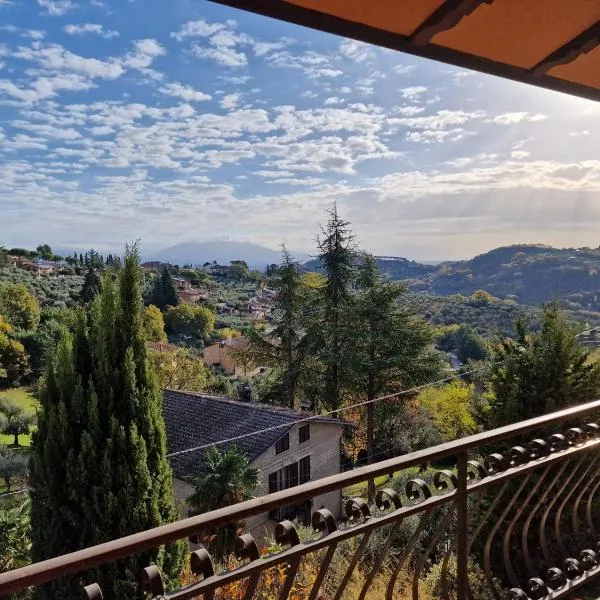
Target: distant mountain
197,253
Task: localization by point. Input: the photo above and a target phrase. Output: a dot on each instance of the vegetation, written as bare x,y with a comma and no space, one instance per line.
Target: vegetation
180,371
189,322
541,371
163,293
154,324
19,308
15,544
99,470
14,420
227,478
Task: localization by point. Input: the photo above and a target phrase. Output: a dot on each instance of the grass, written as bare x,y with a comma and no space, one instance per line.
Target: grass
22,397
360,489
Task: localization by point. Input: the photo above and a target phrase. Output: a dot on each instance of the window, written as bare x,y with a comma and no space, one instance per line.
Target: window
304,469
304,434
282,444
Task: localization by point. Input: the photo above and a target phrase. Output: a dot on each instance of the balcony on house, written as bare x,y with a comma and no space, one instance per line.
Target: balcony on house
509,513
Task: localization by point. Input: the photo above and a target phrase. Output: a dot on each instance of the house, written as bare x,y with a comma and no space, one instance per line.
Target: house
163,347
221,355
39,268
181,284
287,452
191,295
154,265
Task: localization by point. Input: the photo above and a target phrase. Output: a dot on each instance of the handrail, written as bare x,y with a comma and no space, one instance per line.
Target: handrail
45,571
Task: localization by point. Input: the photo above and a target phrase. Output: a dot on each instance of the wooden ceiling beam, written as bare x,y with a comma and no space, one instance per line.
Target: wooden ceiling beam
582,44
447,16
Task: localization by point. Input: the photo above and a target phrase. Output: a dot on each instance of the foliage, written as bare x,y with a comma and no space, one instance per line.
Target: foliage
15,544
452,407
163,293
40,343
286,344
238,269
179,370
92,284
98,469
227,478
44,251
190,321
470,345
225,333
336,254
16,420
60,290
19,307
13,464
541,372
154,324
14,362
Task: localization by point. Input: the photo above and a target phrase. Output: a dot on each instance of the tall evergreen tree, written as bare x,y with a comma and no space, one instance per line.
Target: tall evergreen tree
91,286
390,348
164,293
98,469
285,346
337,256
541,372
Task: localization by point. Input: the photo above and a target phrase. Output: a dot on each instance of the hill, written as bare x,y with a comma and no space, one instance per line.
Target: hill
393,267
529,274
197,253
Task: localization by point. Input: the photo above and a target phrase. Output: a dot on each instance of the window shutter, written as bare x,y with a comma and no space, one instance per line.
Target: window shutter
305,469
293,474
273,482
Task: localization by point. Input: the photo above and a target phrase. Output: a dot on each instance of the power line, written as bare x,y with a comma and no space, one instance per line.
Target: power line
331,412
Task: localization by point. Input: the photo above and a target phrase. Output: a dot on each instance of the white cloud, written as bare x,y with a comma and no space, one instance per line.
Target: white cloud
184,92
93,28
356,51
512,118
584,133
413,92
333,100
403,69
312,64
143,54
46,87
518,154
197,29
263,48
226,56
230,101
56,8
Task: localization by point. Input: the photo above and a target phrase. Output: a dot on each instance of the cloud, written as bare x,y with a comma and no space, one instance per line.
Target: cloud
230,101
197,29
512,118
357,51
413,92
184,92
403,69
312,64
143,54
46,87
225,56
56,8
93,28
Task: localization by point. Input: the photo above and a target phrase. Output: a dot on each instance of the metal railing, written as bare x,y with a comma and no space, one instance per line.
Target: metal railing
509,513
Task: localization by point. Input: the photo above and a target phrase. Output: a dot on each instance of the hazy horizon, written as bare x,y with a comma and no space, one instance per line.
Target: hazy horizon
120,120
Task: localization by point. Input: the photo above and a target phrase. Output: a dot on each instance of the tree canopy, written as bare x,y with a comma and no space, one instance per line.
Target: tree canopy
99,470
19,307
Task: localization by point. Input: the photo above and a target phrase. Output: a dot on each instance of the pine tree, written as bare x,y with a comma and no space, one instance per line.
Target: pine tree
163,292
390,349
337,254
541,372
286,345
98,469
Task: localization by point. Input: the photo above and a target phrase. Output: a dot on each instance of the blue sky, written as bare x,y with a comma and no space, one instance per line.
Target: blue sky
186,121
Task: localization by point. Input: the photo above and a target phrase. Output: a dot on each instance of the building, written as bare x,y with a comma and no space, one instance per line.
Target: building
163,347
39,268
221,355
191,295
181,283
292,454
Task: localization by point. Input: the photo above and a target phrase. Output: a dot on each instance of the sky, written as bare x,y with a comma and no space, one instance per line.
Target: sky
186,121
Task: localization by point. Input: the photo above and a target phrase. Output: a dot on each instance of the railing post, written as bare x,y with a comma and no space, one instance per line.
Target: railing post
462,530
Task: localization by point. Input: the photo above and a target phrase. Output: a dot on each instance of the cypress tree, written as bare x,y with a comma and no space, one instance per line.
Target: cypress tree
98,469
164,293
91,286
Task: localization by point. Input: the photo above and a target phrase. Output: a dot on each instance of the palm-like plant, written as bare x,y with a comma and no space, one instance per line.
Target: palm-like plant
15,543
227,478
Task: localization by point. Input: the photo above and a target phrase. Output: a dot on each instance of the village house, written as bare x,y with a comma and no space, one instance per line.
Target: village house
222,354
293,453
39,268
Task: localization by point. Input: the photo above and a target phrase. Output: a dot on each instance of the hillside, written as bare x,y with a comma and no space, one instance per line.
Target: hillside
528,274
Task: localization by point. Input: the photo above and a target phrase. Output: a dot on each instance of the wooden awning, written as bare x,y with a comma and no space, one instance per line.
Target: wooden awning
554,44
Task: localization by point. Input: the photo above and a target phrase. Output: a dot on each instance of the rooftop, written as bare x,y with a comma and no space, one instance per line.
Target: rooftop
197,419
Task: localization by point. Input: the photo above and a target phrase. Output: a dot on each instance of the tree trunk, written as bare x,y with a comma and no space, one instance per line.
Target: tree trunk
16,442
